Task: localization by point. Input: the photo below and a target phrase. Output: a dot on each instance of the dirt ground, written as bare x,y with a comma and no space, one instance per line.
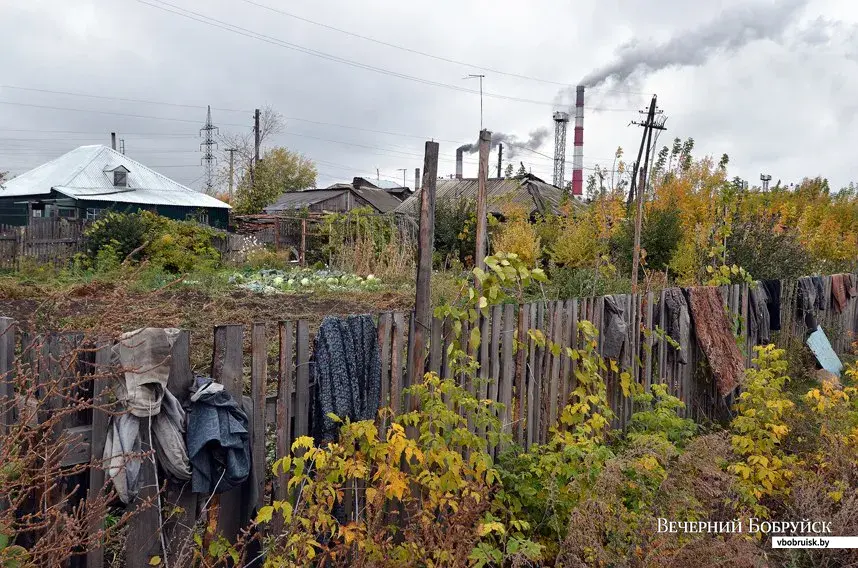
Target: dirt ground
107,308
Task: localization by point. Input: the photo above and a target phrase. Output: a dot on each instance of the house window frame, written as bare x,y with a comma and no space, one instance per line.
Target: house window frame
93,213
120,178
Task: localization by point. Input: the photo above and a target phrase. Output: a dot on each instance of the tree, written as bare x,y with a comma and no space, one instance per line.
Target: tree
270,123
508,171
279,171
4,176
522,171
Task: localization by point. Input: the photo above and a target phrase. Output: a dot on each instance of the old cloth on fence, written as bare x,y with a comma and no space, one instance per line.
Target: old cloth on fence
842,289
677,323
346,370
715,337
615,332
218,442
144,355
807,302
759,324
773,302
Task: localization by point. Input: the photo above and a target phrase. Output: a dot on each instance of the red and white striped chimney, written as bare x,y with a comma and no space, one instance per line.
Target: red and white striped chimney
578,148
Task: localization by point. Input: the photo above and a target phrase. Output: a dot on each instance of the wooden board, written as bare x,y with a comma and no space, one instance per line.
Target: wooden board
258,378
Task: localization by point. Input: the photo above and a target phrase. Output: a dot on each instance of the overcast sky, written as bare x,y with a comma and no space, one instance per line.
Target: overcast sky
775,85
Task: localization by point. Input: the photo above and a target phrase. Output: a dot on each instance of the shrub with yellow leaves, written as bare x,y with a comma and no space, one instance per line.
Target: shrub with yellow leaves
763,469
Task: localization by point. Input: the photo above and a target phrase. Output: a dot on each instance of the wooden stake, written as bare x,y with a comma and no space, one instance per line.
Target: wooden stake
482,206
422,303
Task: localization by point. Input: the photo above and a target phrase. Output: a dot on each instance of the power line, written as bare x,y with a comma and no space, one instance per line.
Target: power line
208,20
123,99
48,107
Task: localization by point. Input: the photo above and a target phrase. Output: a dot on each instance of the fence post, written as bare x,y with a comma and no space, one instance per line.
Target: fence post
227,369
7,385
422,304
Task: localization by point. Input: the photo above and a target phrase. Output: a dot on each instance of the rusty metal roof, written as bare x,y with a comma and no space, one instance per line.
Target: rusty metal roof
531,192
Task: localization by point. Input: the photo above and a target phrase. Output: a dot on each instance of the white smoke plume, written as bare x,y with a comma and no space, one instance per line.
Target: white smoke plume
729,32
512,144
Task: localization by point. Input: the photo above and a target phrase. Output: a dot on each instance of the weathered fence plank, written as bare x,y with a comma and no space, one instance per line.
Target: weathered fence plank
258,376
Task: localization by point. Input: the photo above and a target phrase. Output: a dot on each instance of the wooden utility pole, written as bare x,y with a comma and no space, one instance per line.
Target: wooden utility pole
231,169
649,126
425,247
482,200
500,160
257,139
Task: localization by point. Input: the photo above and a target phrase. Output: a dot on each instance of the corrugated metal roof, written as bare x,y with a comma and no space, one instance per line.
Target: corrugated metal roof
86,173
379,199
531,192
302,199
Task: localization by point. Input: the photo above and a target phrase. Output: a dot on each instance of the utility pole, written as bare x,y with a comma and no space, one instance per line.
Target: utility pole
500,159
257,139
649,126
403,170
231,169
480,77
482,205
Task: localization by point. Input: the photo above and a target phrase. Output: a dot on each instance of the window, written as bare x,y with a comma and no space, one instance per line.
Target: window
93,213
38,212
67,212
120,178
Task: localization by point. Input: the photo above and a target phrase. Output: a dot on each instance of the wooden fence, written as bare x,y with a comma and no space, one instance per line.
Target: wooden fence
532,383
52,241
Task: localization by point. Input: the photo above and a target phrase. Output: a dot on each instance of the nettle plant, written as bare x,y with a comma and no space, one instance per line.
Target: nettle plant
763,469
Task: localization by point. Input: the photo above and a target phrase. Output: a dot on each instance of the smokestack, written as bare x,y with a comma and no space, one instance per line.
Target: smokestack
113,140
459,165
578,149
416,179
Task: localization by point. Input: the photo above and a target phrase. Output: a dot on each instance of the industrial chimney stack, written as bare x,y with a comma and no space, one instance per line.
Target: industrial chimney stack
113,140
578,149
459,165
416,179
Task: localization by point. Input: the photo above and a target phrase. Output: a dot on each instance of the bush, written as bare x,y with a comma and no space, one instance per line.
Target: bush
175,246
454,235
661,233
766,251
518,235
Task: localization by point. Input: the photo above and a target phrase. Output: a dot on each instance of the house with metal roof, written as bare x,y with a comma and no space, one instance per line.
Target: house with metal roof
535,195
88,180
337,198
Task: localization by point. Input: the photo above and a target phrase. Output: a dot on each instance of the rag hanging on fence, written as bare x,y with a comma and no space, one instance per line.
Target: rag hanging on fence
773,303
677,323
616,329
809,300
759,324
842,289
144,355
346,369
715,337
218,441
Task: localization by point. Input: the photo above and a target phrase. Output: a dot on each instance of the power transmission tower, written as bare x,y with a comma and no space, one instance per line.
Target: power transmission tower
561,121
208,146
231,169
649,125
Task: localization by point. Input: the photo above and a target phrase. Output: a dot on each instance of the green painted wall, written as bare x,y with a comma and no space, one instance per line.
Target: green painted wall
12,213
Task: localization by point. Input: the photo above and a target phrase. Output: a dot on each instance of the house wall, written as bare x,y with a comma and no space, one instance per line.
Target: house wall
12,213
339,204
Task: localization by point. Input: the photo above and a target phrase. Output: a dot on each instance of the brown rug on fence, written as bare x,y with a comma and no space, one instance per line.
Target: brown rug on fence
715,337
